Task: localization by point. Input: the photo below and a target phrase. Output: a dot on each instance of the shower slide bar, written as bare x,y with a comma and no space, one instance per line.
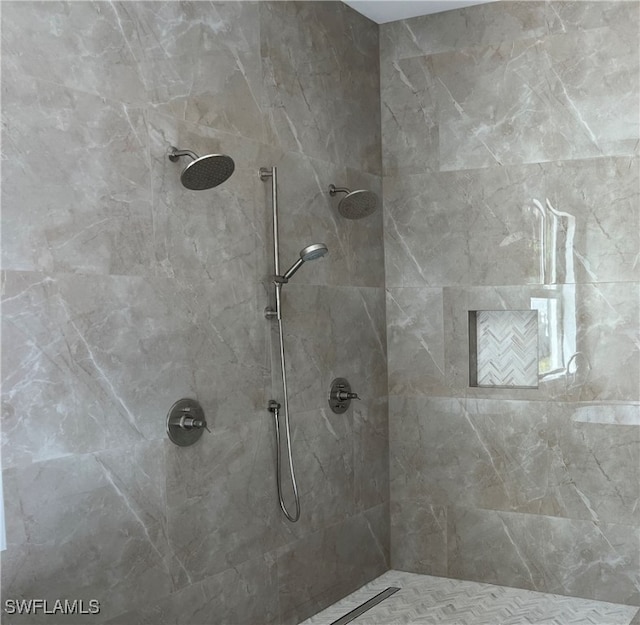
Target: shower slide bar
310,252
274,406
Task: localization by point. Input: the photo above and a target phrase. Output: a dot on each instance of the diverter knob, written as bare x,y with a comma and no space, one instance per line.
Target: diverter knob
344,396
185,422
340,395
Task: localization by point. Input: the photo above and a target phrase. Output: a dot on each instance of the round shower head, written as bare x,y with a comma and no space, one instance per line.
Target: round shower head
311,252
207,171
204,172
355,204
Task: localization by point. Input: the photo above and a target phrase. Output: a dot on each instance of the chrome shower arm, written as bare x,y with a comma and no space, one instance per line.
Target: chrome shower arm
175,154
333,190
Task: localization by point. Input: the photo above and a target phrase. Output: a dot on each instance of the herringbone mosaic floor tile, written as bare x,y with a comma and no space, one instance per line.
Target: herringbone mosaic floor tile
426,600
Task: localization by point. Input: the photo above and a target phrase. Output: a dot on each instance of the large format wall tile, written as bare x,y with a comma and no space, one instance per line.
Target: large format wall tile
247,593
199,61
323,459
533,457
77,385
416,341
477,25
530,101
321,81
512,100
195,61
359,319
607,335
371,453
221,509
594,467
484,453
64,503
561,556
314,573
565,15
511,183
310,357
418,537
83,162
558,222
597,201
472,227
58,399
495,22
82,46
589,332
409,117
356,315
592,337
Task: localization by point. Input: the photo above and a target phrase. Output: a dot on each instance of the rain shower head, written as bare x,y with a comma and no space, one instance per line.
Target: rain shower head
355,204
311,252
203,172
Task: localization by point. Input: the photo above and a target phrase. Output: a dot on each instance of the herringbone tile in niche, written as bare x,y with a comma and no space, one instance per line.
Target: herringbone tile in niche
427,600
507,348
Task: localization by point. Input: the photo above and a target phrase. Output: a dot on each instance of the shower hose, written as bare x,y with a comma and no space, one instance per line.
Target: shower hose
275,408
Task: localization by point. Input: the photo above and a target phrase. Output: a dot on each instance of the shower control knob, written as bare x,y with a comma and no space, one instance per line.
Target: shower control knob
340,395
344,396
186,422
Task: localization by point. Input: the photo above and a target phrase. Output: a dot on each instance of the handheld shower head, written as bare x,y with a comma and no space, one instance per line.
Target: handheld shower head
311,252
355,204
203,172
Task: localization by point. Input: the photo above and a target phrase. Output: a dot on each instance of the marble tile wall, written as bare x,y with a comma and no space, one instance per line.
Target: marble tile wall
510,146
124,292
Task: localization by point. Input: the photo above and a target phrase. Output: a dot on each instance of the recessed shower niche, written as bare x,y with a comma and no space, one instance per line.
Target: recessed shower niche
503,348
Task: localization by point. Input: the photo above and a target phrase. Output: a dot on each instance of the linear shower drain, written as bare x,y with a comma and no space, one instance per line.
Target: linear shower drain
367,605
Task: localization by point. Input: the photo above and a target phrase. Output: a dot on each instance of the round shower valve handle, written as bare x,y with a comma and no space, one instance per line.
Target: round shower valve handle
340,395
344,396
186,422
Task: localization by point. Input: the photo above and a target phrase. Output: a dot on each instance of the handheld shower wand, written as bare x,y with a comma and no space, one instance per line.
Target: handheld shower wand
311,252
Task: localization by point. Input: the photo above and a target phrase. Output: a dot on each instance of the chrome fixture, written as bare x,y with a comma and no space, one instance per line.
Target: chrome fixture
311,252
355,204
203,172
366,606
340,395
186,422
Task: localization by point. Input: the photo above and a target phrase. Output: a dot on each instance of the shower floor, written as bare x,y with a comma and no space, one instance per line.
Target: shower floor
428,600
